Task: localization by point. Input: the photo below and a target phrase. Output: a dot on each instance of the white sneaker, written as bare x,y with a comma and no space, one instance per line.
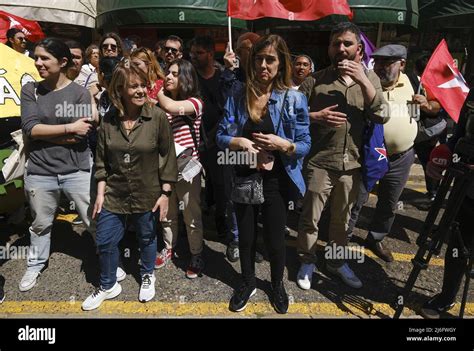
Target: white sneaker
147,289
29,280
305,275
121,275
95,300
347,275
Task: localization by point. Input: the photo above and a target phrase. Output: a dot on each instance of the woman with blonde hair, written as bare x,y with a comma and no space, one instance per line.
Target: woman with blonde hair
147,62
269,120
135,166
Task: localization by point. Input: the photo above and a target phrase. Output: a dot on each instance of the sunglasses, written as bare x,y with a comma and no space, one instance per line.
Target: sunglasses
174,51
113,47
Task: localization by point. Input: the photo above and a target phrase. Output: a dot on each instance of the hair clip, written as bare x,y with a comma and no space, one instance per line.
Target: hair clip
126,63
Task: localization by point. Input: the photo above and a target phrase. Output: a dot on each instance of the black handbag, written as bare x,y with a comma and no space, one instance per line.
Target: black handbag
249,189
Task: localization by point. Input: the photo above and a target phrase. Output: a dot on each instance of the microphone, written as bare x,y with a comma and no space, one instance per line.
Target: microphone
441,156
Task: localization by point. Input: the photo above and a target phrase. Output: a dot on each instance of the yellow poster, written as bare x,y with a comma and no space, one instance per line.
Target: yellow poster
15,71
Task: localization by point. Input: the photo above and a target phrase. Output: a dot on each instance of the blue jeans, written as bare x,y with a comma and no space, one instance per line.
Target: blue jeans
110,230
43,193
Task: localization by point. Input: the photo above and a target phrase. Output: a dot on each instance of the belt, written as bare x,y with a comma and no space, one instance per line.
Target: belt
394,157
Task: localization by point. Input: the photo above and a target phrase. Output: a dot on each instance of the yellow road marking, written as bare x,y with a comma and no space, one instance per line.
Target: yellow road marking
400,257
134,308
66,217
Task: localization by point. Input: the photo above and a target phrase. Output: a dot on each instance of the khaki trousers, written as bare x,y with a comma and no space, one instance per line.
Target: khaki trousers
341,187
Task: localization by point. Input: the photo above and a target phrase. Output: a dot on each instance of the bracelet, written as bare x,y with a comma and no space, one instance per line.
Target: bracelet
166,193
291,149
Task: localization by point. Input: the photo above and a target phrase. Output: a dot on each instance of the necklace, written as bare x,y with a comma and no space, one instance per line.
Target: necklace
128,125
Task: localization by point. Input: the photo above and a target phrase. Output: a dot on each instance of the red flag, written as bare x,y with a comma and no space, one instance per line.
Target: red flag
442,79
293,10
31,29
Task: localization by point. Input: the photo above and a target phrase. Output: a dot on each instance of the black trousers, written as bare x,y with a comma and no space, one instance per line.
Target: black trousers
275,191
454,261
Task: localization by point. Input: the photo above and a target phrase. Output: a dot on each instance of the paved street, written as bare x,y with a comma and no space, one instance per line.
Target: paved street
73,273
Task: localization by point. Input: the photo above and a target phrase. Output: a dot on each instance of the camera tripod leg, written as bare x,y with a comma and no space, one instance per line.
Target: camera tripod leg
466,282
429,247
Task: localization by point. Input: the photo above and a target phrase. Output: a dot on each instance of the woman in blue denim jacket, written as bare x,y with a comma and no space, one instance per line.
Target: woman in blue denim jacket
270,121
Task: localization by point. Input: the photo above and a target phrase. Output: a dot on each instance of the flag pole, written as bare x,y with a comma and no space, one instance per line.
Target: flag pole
230,34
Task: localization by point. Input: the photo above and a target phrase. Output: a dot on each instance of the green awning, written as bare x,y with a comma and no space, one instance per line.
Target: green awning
179,12
385,11
448,14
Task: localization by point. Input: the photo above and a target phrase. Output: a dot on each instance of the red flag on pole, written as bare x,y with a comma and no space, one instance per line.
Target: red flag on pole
442,79
293,10
31,29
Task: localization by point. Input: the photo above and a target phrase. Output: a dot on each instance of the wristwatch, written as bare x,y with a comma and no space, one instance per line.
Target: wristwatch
166,193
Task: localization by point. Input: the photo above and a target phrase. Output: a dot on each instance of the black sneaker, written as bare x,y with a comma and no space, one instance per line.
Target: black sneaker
434,307
279,298
258,257
232,251
241,297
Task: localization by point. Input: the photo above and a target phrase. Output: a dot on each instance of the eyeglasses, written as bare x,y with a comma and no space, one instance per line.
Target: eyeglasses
174,51
21,38
113,47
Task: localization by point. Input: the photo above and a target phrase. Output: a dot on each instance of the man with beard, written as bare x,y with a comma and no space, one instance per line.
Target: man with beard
400,133
341,98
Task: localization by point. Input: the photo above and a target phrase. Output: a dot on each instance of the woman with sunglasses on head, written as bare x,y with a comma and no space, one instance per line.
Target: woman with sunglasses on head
270,120
181,102
111,46
147,62
55,118
135,166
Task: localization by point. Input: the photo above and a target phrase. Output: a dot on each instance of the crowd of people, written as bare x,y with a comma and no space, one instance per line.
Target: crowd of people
116,157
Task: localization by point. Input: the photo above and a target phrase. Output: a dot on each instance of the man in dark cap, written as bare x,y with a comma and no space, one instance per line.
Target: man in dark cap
399,133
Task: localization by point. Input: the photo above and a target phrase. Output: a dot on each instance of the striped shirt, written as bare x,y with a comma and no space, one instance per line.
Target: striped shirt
181,132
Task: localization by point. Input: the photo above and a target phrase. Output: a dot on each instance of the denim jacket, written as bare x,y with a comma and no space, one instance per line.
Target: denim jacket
294,127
